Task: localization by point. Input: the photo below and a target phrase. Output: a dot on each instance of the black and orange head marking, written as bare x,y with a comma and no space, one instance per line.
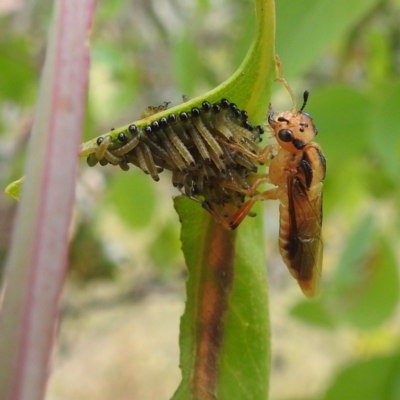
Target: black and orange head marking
293,130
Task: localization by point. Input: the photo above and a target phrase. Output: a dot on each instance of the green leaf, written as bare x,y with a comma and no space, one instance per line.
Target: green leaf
225,336
383,138
374,297
314,313
376,379
245,357
344,121
380,56
346,185
14,189
225,333
306,28
17,69
351,263
186,64
342,126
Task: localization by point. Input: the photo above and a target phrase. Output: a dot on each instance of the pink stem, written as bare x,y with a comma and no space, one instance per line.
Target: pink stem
36,264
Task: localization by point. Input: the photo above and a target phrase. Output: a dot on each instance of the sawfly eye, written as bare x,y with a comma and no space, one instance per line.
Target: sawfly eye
286,135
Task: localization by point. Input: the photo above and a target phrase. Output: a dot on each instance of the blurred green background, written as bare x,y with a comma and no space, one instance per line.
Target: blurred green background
125,294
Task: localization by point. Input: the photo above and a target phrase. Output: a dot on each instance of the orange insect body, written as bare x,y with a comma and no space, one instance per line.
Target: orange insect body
298,171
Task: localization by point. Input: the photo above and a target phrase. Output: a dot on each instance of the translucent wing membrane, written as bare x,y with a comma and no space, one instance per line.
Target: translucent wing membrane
302,251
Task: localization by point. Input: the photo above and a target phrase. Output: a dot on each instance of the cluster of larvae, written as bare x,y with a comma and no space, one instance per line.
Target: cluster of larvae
211,151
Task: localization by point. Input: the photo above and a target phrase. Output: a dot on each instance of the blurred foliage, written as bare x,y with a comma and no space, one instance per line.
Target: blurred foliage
146,52
88,259
380,379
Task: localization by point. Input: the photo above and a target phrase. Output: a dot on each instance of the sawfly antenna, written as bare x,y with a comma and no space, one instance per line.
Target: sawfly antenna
305,99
